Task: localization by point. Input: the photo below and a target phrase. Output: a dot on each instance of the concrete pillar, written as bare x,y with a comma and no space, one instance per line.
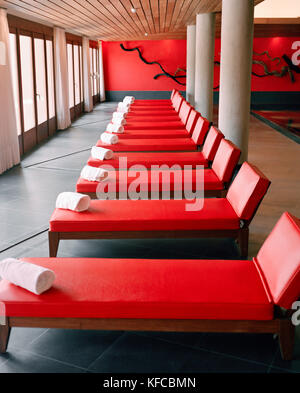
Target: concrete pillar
204,67
235,73
190,63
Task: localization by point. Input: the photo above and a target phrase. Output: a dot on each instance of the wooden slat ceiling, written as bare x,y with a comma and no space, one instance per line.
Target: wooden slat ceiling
113,20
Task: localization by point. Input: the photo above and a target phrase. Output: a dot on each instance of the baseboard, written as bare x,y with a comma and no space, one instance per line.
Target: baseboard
275,100
114,95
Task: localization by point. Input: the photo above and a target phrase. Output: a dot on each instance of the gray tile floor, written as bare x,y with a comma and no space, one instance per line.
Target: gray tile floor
27,199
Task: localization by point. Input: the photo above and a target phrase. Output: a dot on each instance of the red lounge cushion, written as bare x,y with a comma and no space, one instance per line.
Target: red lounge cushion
131,119
148,109
225,160
177,102
191,121
146,215
178,144
184,112
212,143
279,261
130,288
151,125
151,103
211,181
200,130
149,159
147,134
247,190
157,115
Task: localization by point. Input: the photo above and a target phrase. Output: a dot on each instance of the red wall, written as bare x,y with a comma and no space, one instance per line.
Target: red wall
126,71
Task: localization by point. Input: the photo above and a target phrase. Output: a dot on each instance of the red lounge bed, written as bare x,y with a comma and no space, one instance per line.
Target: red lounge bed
158,104
156,115
170,144
190,123
216,179
151,123
176,103
113,219
241,296
148,159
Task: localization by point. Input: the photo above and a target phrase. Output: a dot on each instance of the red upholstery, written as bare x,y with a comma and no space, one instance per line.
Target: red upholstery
131,288
279,261
150,108
192,120
149,159
184,111
174,91
146,215
145,118
147,134
212,143
211,181
177,102
225,160
171,144
153,125
156,114
247,190
151,103
200,130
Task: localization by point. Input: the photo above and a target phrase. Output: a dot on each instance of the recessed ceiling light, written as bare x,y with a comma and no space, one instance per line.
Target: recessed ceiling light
133,10
146,34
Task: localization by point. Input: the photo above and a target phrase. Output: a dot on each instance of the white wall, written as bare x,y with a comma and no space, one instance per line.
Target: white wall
278,9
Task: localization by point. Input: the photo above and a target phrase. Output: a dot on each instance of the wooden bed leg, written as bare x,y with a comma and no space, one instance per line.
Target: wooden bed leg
53,243
286,339
4,337
243,240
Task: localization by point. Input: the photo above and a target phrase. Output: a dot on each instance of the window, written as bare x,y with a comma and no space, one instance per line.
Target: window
27,82
40,75
95,72
70,75
50,78
75,77
32,66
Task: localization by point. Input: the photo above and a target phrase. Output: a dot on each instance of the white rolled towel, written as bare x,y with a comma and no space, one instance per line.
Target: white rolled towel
32,277
123,107
118,129
100,153
119,115
123,110
93,174
119,122
109,139
73,201
128,99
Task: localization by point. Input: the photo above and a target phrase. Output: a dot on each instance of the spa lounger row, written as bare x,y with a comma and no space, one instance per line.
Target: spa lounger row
228,216
169,295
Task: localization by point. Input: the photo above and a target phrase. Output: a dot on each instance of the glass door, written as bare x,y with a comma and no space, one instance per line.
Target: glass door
41,89
51,87
28,99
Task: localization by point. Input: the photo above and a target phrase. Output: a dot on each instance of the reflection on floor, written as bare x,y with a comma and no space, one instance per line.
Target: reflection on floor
27,199
287,120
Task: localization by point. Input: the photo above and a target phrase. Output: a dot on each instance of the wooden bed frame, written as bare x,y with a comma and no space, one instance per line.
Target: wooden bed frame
207,193
281,325
241,235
